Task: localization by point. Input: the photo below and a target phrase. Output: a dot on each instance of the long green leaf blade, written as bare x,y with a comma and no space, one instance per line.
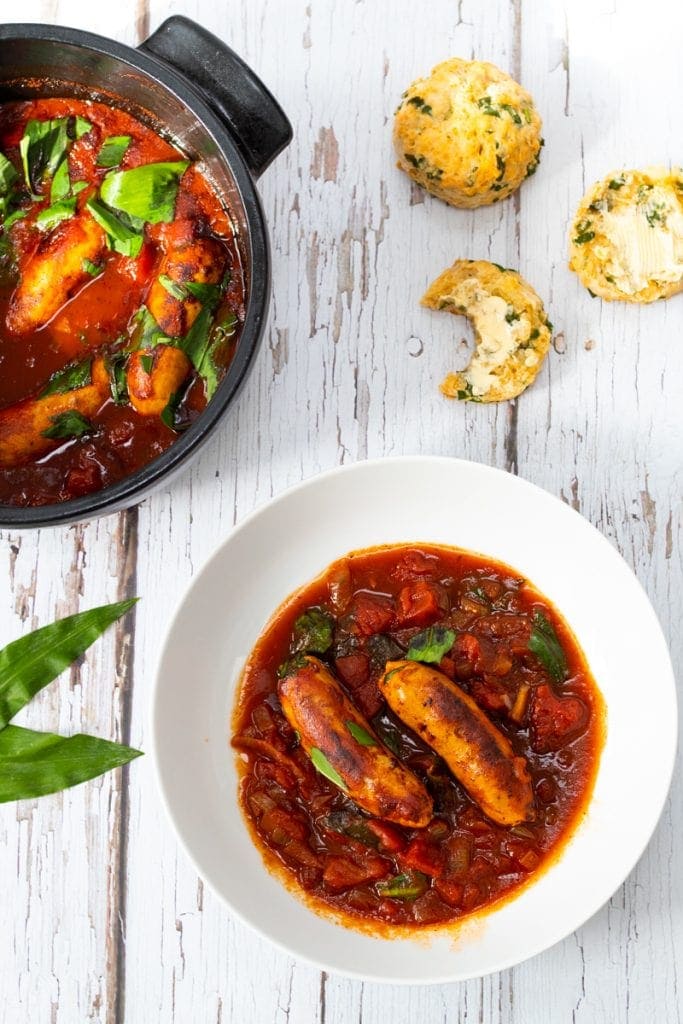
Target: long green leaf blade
31,662
36,763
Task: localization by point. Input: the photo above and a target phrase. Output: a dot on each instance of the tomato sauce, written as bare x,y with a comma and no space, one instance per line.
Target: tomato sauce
380,603
99,314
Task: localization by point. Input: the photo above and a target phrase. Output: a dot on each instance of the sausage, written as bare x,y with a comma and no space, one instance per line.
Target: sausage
200,261
478,754
150,392
314,705
22,425
54,273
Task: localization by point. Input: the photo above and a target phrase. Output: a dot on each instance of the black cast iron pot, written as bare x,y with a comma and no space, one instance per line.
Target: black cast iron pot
188,83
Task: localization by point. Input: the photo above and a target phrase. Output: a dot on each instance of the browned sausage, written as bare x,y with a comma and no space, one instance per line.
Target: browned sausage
314,705
201,261
150,390
477,753
54,273
22,425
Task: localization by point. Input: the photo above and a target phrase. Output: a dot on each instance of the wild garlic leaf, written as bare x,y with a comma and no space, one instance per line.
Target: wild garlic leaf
34,660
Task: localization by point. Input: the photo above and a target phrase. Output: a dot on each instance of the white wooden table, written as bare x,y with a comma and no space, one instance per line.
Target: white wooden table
101,916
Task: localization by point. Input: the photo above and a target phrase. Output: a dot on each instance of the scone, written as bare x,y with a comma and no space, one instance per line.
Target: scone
626,242
468,133
511,331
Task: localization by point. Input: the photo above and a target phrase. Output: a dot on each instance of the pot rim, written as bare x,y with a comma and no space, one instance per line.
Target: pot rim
133,488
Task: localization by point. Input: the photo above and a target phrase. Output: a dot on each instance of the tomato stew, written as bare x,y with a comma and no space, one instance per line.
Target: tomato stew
499,641
121,297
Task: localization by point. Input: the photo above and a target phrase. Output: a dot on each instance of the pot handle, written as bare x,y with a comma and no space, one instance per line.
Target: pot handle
253,115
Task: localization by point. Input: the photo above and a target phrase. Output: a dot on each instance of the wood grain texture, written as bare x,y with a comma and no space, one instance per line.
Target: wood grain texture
102,918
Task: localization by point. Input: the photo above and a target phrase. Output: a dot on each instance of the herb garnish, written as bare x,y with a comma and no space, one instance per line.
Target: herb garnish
583,232
112,151
67,425
544,643
53,215
312,632
431,644
361,735
124,234
75,375
322,765
147,193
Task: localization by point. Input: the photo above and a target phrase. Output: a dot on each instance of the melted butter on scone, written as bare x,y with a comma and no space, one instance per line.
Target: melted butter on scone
646,240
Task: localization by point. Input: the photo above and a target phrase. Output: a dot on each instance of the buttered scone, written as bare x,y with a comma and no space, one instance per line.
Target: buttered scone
511,331
627,238
468,133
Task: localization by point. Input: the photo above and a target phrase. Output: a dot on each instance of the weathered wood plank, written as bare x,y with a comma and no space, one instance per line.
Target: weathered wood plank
348,369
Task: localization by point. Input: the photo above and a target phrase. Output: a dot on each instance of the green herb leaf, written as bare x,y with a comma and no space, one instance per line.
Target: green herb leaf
43,147
322,765
75,375
80,127
31,662
174,288
617,183
291,665
312,632
147,362
94,269
406,886
61,182
487,106
148,334
69,424
8,174
148,192
583,233
33,764
13,218
512,112
54,215
124,235
200,345
361,735
544,643
431,644
112,151
174,416
116,368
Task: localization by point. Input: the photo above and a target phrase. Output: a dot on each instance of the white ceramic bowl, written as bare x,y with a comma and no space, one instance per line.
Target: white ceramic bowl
292,539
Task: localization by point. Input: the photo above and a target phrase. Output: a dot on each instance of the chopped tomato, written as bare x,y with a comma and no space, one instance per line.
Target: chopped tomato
423,856
368,698
390,839
465,653
418,604
555,720
340,873
353,669
450,892
489,695
414,564
371,613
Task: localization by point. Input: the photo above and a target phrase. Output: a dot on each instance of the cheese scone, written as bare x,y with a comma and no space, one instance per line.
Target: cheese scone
468,133
626,242
511,331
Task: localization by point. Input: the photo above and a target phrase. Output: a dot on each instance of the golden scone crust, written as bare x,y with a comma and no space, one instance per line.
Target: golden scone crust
626,242
468,133
511,331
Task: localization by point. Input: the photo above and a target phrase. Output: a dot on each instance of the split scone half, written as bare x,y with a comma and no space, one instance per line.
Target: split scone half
511,331
468,133
626,241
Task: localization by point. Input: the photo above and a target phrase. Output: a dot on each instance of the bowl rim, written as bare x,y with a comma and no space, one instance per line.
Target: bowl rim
129,491
156,698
